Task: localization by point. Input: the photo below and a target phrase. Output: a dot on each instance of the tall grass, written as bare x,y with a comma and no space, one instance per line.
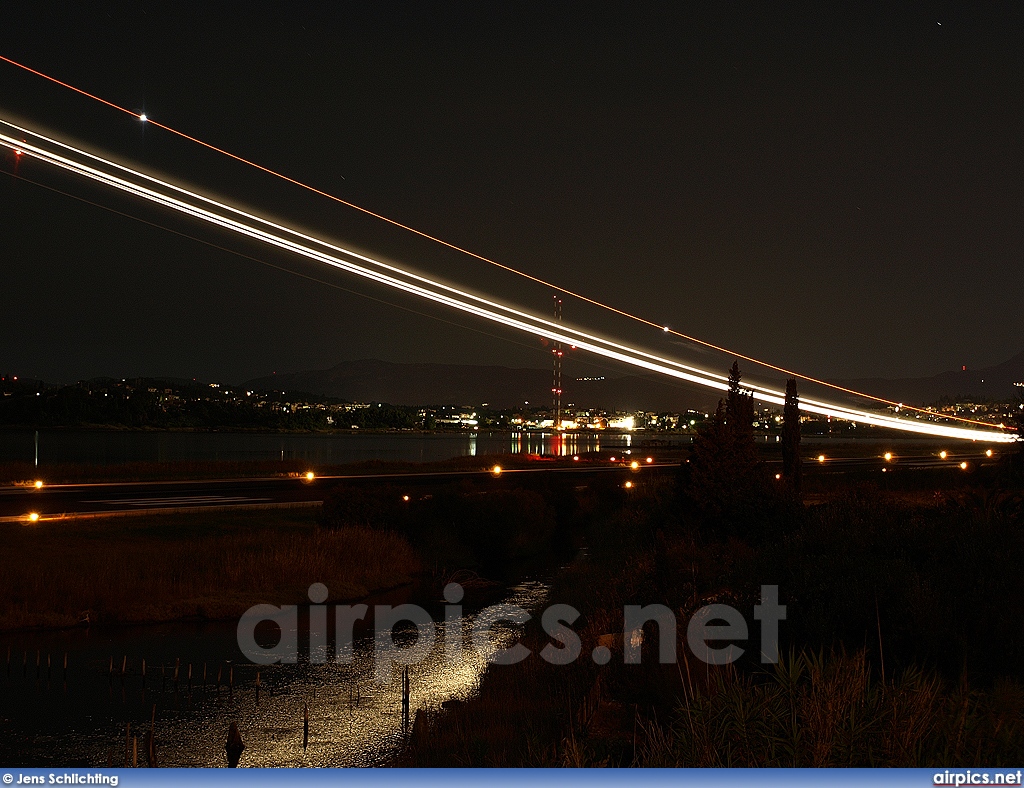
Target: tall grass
826,710
208,565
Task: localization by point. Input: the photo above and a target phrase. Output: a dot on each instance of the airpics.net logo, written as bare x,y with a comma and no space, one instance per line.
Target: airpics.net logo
968,777
713,633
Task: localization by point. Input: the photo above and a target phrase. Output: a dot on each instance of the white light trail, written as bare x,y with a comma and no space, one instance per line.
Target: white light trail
253,226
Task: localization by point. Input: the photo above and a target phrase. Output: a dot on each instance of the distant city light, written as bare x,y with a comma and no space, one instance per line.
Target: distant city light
33,517
888,456
650,460
575,458
496,470
628,485
310,476
405,498
634,465
988,453
963,466
821,458
778,476
943,454
38,484
143,117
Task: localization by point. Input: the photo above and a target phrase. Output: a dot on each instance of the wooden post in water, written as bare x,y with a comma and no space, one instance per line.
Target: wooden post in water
177,666
49,666
405,698
220,673
135,752
65,666
204,675
189,676
38,662
143,672
305,725
257,686
231,680
151,741
127,743
234,746
124,666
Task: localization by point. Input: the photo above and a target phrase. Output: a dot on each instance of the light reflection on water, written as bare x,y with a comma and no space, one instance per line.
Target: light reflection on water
113,447
353,719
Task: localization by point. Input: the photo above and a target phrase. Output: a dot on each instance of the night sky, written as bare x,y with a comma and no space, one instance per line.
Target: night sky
840,191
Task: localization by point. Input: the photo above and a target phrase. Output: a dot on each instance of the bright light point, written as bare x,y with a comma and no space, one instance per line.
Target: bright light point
17,152
628,485
143,117
778,476
33,517
38,484
821,458
888,456
884,470
665,329
650,460
405,498
963,466
613,459
634,465
310,476
496,470
943,454
988,453
575,458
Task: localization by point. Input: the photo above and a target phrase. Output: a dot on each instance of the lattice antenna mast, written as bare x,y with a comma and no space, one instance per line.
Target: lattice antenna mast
556,372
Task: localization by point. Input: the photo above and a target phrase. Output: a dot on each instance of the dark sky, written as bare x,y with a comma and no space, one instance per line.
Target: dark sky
840,191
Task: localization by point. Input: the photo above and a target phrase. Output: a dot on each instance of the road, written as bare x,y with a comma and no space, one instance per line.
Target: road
57,501
64,500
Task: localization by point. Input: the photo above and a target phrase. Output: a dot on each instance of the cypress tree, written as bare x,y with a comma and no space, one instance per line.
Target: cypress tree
791,437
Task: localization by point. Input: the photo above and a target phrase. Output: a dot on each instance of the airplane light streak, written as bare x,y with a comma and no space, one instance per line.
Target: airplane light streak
208,210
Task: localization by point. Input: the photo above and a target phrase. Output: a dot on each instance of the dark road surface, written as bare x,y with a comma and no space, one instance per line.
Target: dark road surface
17,503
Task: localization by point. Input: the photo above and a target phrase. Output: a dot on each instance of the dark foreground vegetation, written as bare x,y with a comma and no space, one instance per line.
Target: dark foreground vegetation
902,644
177,566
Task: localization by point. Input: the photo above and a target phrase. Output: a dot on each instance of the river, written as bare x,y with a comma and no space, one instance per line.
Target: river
49,717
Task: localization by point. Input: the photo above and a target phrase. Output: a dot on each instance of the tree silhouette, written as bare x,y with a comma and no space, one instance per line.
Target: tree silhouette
724,488
791,465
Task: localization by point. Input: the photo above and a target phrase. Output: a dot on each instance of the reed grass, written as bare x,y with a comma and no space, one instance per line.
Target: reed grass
206,565
818,709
